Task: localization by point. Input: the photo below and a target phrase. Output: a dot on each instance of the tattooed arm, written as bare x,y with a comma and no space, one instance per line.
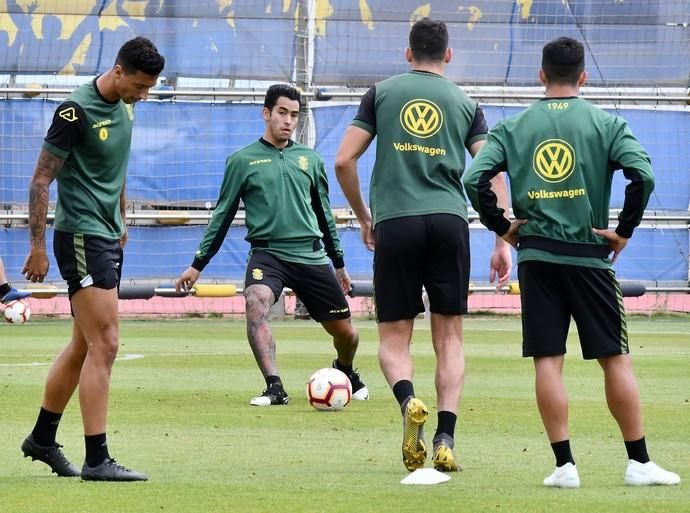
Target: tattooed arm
66,130
36,263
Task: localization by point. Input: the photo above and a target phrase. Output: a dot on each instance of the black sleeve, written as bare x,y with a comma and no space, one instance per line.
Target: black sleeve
627,153
492,216
636,197
367,108
68,126
478,130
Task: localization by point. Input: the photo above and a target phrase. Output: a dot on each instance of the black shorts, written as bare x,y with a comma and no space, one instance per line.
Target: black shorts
315,285
431,251
86,260
551,294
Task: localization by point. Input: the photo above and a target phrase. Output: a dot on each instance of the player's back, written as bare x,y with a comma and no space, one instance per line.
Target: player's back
561,154
558,155
422,123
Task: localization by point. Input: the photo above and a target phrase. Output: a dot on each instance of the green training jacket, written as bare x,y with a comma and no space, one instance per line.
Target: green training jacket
287,209
560,155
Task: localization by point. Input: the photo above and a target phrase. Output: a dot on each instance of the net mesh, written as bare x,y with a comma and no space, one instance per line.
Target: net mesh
222,54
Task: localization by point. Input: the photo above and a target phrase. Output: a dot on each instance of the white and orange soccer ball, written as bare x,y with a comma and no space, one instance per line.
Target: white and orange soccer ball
17,312
329,390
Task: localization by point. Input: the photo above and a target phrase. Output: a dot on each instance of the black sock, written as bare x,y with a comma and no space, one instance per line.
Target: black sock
402,390
46,427
270,380
446,423
637,450
96,449
562,452
4,289
345,369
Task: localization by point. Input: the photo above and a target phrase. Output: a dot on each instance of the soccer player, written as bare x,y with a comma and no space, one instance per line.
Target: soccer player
87,150
8,292
284,188
418,226
560,155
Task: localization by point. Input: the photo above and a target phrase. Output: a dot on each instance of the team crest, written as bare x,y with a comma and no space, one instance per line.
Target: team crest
257,274
303,163
68,114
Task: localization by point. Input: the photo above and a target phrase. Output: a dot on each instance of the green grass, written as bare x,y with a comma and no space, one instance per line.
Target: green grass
181,415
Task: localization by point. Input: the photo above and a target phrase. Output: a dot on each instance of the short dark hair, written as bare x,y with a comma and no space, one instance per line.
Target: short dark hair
140,54
563,60
276,91
428,40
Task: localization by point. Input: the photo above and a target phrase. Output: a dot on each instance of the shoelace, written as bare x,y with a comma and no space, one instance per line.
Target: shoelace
113,463
355,379
57,448
275,391
60,455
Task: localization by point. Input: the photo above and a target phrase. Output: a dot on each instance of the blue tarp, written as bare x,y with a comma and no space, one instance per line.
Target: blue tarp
179,149
178,155
164,252
240,39
662,133
500,41
357,42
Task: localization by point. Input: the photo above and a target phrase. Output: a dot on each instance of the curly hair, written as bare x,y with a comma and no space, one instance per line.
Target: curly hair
140,54
276,91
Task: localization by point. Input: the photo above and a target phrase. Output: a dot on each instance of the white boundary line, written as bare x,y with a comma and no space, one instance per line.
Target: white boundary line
42,364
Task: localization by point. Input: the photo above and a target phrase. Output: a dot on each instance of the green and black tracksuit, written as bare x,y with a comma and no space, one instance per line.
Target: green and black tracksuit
560,155
287,209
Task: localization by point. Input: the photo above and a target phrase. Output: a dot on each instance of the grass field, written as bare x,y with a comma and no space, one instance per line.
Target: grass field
180,413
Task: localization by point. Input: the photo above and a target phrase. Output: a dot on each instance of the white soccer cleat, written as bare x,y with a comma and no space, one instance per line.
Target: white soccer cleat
645,474
361,395
565,476
274,394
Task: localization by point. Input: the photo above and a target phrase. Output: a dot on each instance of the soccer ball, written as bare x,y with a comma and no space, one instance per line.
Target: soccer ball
329,390
17,312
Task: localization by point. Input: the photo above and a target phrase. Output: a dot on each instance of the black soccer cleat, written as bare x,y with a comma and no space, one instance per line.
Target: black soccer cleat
360,392
110,470
51,455
275,394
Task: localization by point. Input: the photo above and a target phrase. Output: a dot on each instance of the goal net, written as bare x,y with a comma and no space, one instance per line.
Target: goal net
221,55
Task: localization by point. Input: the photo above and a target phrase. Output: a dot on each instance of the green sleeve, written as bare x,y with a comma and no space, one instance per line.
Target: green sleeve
223,215
627,153
322,208
364,126
490,161
58,152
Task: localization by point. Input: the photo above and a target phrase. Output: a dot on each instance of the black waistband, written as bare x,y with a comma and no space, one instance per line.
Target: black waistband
316,245
561,247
